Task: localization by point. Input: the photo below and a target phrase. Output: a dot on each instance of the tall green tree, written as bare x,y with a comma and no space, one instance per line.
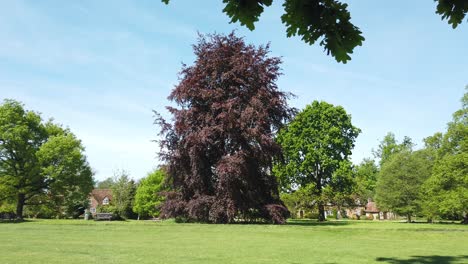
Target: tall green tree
38,157
316,144
148,195
447,189
327,21
400,182
123,194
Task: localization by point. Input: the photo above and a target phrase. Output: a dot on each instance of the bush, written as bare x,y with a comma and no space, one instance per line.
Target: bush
277,214
181,219
311,215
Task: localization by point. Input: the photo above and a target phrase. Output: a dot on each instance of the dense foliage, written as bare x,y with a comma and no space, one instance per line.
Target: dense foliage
326,20
40,162
149,197
123,194
447,189
316,147
220,147
366,180
400,182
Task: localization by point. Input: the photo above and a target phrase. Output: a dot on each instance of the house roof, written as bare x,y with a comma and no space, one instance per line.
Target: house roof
100,194
371,207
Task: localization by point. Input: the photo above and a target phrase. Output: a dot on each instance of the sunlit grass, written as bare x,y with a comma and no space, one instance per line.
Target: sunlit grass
79,241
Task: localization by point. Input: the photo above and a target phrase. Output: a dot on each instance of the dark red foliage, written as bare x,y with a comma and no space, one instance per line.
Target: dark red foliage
220,146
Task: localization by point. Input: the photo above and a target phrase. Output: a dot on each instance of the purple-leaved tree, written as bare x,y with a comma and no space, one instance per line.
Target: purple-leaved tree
219,146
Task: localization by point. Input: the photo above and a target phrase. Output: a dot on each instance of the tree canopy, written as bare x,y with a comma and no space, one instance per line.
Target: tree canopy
316,145
39,158
220,146
106,183
447,189
326,20
390,146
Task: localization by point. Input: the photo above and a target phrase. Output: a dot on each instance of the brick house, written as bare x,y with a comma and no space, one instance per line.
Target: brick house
373,211
99,197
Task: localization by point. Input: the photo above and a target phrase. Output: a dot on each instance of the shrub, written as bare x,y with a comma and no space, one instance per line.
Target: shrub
276,213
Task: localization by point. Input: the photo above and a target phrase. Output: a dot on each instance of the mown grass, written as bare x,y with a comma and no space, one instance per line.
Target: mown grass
79,241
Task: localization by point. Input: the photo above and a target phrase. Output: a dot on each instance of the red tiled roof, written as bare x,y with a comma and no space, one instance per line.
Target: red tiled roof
371,207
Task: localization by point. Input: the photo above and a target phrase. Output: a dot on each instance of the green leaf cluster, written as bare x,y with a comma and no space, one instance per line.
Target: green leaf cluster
326,20
148,195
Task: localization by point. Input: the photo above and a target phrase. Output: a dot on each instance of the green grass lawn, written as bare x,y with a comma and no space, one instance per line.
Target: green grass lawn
79,241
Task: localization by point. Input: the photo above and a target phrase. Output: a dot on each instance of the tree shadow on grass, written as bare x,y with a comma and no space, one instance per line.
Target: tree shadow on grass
15,221
309,222
426,260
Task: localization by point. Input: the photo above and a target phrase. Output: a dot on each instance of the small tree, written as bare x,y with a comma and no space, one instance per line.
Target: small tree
315,145
148,197
123,194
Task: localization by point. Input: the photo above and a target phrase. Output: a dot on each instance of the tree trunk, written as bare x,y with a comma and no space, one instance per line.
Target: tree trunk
20,206
409,218
318,185
321,209
465,220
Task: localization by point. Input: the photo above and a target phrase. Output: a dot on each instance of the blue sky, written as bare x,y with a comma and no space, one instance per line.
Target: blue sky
101,67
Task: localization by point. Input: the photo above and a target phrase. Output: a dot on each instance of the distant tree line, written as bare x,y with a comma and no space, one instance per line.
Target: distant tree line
236,152
430,183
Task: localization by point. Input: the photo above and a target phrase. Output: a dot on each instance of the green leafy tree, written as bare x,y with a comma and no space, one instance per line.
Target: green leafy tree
148,195
400,182
326,20
316,144
123,194
70,177
39,158
366,180
447,189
